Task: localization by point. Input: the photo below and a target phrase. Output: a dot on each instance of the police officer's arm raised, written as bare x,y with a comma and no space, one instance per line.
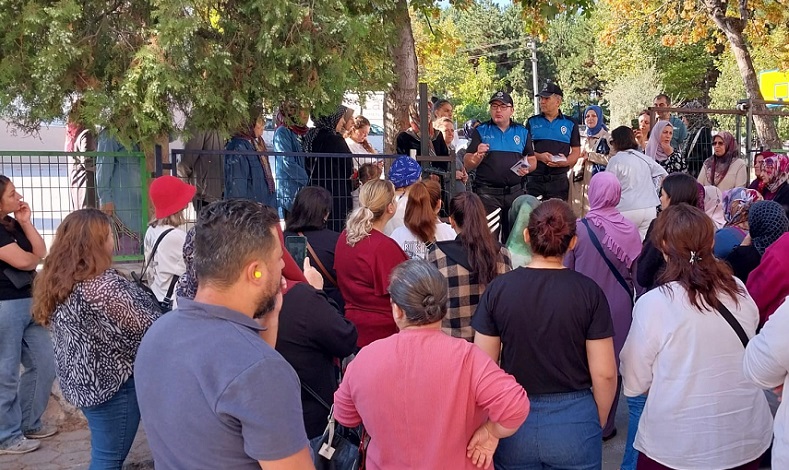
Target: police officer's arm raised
475,152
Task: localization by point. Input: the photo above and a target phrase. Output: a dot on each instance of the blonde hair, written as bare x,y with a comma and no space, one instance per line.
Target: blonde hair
374,197
175,220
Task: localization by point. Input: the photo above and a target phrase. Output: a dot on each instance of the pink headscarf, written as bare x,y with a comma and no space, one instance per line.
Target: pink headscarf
621,235
654,149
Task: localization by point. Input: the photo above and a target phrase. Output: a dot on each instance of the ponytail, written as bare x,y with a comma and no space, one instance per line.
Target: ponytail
424,198
468,213
374,197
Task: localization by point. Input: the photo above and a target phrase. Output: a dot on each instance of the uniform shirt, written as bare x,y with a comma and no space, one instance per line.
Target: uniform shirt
506,148
555,137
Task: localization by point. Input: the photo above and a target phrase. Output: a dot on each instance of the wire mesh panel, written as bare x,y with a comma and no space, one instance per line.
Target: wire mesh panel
57,183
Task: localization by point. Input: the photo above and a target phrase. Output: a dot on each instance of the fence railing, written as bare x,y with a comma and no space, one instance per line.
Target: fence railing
222,174
57,183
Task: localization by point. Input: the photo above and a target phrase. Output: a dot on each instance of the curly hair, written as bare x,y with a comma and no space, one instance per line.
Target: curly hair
77,254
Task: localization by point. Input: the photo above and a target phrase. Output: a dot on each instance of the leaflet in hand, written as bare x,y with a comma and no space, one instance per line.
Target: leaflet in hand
523,164
558,158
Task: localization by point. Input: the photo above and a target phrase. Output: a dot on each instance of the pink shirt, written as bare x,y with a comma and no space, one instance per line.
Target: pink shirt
421,395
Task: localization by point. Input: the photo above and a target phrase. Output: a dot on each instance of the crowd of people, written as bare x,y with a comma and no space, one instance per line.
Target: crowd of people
499,327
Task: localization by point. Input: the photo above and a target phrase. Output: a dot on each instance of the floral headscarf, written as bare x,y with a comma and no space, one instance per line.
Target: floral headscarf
775,173
736,204
717,167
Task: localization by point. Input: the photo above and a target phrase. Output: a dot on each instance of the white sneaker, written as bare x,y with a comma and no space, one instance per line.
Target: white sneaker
22,446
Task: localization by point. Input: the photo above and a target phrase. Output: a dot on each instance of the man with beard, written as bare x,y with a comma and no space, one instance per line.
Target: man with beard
212,393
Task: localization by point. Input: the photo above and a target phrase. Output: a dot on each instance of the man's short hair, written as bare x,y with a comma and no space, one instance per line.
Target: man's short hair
665,96
228,235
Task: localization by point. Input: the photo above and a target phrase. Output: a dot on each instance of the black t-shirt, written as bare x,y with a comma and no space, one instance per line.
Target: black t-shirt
544,318
743,259
14,235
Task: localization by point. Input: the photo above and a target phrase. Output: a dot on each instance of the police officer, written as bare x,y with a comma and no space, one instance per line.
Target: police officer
557,146
496,148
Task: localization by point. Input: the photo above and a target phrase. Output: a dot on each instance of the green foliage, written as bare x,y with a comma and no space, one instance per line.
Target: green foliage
570,45
133,64
630,94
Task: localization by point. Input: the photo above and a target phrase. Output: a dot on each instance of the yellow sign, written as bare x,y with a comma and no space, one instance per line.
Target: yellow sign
774,85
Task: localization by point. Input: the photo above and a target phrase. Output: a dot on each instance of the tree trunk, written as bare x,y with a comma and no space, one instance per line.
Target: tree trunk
403,91
733,28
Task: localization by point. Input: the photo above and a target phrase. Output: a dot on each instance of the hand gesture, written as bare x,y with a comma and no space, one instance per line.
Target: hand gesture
22,215
483,148
314,277
667,148
482,446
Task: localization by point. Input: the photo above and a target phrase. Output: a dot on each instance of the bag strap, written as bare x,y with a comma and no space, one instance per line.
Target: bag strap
608,262
153,252
318,263
733,323
315,395
169,296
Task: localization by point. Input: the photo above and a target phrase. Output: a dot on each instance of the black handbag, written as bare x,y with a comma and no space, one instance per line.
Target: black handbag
167,303
340,447
20,279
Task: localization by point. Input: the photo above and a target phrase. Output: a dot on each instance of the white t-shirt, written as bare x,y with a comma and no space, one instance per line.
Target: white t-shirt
766,365
701,412
415,248
168,260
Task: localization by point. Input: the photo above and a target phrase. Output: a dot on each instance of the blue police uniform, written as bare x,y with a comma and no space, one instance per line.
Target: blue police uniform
555,137
495,183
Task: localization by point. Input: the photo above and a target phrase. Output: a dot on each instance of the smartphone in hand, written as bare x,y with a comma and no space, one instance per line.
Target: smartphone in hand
297,247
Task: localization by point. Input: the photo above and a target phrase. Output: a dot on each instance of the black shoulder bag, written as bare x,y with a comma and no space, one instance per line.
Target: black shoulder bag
167,303
608,262
339,448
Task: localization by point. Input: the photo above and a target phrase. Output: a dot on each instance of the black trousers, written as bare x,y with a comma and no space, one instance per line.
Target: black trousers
497,202
547,187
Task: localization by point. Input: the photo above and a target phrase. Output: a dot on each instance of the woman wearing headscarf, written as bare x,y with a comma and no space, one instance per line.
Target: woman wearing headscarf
736,204
291,171
713,205
767,221
659,147
595,154
333,173
775,175
724,169
698,143
249,176
758,167
608,245
519,214
768,284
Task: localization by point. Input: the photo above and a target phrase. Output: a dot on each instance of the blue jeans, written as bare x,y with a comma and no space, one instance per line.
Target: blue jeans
562,431
113,425
23,398
635,406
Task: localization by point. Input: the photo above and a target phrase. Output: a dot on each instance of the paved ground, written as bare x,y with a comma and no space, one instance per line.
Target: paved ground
71,451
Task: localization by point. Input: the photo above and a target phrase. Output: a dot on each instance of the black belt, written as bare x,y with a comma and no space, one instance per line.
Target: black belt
546,178
498,190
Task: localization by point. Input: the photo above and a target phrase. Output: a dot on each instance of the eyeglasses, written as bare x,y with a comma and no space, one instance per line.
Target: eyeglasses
496,107
717,142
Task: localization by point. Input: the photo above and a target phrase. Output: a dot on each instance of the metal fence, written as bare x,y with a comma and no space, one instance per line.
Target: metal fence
57,183
222,174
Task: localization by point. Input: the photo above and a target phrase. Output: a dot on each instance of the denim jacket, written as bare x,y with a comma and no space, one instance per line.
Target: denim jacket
290,172
244,175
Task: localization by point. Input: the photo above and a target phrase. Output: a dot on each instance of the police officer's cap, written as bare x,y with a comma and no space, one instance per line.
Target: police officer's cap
501,96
